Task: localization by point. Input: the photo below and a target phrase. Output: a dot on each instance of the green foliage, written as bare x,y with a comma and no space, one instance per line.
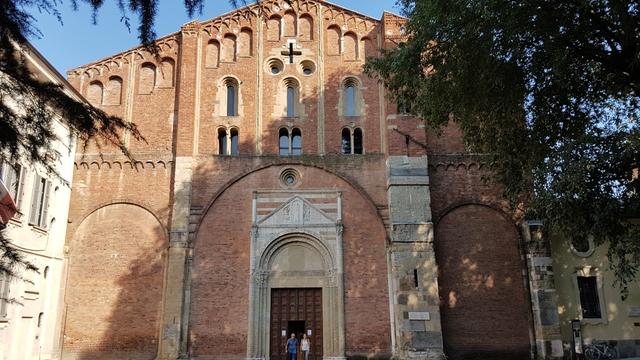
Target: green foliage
550,90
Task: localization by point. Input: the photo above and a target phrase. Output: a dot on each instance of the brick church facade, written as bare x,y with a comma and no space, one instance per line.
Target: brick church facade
278,190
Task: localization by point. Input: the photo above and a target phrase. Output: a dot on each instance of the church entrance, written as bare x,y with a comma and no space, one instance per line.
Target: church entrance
298,311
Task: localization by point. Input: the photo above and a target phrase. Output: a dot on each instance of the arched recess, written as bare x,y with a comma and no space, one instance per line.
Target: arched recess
229,48
367,48
166,73
333,40
117,308
274,27
245,44
306,27
147,79
290,24
95,92
481,277
222,260
212,54
113,91
350,46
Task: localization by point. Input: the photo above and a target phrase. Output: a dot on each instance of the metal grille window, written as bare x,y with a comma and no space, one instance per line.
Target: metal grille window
589,300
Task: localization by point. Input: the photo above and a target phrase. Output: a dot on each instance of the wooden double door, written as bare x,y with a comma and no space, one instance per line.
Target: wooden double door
298,311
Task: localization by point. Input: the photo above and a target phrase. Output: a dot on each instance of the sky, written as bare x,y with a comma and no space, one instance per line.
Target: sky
76,41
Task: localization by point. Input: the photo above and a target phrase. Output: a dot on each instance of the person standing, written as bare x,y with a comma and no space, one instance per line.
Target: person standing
305,345
292,347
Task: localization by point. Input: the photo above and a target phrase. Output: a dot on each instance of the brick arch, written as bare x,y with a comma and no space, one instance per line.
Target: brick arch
484,301
494,205
222,256
115,283
140,204
352,183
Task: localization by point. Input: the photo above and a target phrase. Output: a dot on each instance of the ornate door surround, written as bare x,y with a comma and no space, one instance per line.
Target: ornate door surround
296,242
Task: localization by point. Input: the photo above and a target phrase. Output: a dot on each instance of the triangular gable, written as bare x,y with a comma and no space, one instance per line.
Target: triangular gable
297,211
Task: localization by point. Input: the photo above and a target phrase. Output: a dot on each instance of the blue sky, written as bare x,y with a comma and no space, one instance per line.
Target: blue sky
77,41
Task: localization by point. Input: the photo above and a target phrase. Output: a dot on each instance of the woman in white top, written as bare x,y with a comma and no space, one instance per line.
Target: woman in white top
305,345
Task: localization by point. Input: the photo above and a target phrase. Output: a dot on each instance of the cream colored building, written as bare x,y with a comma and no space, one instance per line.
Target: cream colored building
586,292
30,330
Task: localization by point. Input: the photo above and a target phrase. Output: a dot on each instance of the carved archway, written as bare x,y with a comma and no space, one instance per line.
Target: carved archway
299,258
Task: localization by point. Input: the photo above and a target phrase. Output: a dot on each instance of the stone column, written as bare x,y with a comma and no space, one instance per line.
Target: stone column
171,329
413,273
172,325
544,298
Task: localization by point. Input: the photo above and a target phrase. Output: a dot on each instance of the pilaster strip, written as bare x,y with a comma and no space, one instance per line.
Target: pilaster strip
321,81
196,112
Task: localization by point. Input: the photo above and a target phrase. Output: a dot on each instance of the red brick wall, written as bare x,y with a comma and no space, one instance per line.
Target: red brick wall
484,306
114,288
221,268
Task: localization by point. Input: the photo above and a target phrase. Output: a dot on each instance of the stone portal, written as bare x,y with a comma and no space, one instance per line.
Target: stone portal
296,252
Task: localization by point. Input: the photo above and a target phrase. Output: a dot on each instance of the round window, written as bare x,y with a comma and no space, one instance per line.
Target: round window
289,177
307,67
275,66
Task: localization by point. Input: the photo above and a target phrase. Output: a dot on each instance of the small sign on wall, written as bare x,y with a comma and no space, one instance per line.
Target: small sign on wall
419,315
284,333
634,311
308,332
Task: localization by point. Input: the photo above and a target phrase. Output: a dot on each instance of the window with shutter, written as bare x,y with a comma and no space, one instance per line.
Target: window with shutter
39,202
12,177
4,295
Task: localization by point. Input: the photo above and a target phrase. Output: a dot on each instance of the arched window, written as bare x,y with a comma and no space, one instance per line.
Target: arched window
283,142
231,100
350,97
234,142
346,141
296,142
291,99
403,107
213,53
357,141
147,78
231,96
94,93
222,141
290,143
352,141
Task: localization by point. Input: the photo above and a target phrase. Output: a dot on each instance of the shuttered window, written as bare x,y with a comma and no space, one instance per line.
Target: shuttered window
4,295
12,176
39,202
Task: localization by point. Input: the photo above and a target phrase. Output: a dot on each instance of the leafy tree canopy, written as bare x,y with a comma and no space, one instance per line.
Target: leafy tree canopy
551,90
